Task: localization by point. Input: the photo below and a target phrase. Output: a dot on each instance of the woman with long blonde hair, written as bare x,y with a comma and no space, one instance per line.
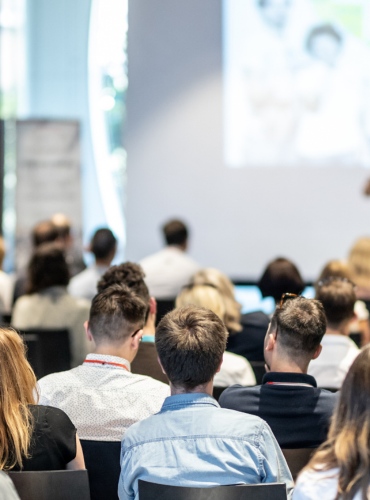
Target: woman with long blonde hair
32,437
340,469
234,369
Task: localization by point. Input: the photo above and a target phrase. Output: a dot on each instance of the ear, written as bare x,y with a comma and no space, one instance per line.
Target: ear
219,366
270,341
317,352
135,341
87,332
152,305
160,364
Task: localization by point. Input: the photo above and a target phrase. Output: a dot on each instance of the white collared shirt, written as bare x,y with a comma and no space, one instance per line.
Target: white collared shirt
84,284
337,355
103,398
167,271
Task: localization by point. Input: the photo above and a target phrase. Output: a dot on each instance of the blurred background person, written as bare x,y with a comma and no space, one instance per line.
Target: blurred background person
359,266
6,284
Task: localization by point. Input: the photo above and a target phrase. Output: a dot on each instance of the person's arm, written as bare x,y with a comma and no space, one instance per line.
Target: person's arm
78,462
274,466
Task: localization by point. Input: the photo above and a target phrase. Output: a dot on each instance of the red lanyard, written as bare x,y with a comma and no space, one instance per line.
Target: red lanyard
120,365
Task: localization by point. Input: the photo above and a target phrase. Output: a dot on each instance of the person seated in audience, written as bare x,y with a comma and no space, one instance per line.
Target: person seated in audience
359,266
72,251
48,305
132,275
102,397
34,437
340,467
171,268
234,369
288,399
360,324
103,246
192,441
338,297
43,232
247,331
6,284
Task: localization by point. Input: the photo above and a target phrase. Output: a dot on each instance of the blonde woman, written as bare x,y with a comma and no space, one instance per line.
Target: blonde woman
247,331
340,469
359,266
32,437
234,369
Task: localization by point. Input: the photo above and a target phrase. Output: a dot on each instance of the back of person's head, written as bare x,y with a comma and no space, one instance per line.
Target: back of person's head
205,295
63,225
47,267
338,297
17,391
190,343
348,445
359,262
334,269
44,232
115,314
280,276
103,244
226,289
129,274
300,325
175,232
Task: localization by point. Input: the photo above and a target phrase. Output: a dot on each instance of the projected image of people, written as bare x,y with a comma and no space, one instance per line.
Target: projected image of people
296,87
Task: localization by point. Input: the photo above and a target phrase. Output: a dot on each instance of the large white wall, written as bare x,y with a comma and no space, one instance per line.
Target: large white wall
240,218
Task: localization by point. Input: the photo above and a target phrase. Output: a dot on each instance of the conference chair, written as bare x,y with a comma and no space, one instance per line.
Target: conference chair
217,391
102,461
52,485
297,459
48,350
163,307
153,491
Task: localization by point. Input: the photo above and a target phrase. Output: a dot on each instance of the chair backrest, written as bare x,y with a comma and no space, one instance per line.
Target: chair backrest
48,350
259,370
146,362
217,391
153,491
102,461
297,459
52,485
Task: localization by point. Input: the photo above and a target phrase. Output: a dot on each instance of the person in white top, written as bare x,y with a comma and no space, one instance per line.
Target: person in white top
338,350
171,268
340,468
235,369
102,397
103,246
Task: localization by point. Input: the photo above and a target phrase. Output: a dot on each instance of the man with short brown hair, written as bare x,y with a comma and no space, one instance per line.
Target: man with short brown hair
192,441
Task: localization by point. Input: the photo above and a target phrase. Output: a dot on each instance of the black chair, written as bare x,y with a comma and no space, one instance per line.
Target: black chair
297,459
153,491
48,350
163,307
6,319
259,370
217,391
52,485
102,461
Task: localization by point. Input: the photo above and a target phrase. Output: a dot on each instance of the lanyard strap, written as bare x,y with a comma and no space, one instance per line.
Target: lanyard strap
99,362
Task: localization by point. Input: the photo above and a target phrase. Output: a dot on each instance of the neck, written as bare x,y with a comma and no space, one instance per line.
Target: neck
103,262
204,389
288,366
119,350
341,330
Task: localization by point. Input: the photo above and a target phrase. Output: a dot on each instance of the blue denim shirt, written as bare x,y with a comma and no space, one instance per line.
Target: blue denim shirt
193,442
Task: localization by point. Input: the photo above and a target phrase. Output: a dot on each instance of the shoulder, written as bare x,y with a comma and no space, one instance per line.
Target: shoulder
316,484
236,393
57,381
50,416
255,318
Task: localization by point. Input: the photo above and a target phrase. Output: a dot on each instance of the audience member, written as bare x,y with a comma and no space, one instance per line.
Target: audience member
280,276
169,269
102,397
360,324
65,237
247,331
33,437
192,441
48,304
288,399
234,369
6,284
42,232
340,468
338,298
132,275
359,265
103,246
